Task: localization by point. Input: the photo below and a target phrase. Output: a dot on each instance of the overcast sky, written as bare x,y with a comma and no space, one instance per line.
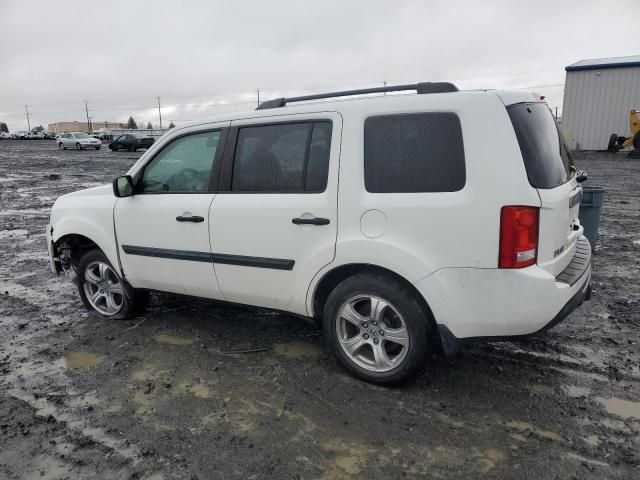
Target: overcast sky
120,55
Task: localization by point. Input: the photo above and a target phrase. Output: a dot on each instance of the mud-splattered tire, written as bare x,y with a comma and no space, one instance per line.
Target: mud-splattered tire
377,328
103,291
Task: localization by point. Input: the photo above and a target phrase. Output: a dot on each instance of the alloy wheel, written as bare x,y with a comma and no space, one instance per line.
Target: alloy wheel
372,333
103,288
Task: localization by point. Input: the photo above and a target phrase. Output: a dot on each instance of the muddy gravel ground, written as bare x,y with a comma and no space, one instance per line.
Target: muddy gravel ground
164,396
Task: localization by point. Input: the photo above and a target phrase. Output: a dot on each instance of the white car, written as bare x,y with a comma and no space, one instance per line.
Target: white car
401,223
77,140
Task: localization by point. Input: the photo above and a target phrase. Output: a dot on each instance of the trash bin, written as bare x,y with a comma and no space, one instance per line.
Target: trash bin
592,198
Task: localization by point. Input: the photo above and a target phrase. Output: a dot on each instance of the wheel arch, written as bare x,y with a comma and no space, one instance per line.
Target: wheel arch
333,277
81,236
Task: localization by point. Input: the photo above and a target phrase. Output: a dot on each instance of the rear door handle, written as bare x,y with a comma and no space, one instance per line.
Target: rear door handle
190,218
310,221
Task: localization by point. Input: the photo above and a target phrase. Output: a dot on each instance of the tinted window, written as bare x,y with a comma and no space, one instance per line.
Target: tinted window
420,152
282,158
183,166
546,158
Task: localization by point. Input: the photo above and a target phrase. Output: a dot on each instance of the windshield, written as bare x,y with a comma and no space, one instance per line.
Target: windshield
81,135
546,158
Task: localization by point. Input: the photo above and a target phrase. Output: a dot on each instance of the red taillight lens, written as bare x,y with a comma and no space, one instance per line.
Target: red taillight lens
518,237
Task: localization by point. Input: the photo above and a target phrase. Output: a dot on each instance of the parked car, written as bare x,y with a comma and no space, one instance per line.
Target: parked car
456,218
131,142
78,140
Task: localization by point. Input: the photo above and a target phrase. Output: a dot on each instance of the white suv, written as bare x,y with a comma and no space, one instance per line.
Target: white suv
401,222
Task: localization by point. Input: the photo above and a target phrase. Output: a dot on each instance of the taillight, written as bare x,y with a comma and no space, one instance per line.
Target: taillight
518,237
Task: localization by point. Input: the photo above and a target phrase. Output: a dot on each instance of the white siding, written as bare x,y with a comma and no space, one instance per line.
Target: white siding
597,104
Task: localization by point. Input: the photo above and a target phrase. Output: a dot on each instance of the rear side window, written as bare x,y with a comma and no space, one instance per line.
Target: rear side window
545,155
421,152
283,158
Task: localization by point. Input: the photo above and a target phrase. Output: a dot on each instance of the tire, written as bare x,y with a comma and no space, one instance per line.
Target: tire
60,146
612,147
78,146
97,148
97,280
403,319
132,148
636,142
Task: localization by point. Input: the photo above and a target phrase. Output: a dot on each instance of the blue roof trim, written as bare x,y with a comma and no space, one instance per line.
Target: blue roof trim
601,66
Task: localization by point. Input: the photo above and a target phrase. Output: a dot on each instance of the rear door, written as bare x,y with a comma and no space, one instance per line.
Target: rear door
274,220
549,168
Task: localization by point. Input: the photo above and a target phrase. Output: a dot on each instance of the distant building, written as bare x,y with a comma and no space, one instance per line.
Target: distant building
82,126
598,96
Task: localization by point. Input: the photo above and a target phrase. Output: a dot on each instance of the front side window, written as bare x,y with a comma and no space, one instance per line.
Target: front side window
183,166
81,135
414,152
282,158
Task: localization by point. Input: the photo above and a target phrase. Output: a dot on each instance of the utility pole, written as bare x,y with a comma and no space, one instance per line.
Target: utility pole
86,109
385,85
159,113
26,109
258,92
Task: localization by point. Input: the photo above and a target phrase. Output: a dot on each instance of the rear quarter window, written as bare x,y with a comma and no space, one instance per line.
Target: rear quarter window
417,152
546,157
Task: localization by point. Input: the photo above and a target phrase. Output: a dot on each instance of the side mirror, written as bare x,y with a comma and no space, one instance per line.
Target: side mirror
123,186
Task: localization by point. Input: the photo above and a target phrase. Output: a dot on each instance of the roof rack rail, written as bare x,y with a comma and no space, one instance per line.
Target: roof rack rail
423,87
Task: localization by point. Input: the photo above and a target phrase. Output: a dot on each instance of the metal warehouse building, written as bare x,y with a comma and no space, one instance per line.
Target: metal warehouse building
598,95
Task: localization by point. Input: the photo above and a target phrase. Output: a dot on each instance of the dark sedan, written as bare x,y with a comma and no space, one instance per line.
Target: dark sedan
131,142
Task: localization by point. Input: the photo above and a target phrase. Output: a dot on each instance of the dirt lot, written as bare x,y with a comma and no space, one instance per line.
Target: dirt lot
164,396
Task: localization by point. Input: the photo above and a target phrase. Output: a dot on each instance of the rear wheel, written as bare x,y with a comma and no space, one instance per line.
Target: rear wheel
377,329
78,146
103,291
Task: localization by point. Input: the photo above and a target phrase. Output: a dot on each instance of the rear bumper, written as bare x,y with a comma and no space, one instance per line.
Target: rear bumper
470,303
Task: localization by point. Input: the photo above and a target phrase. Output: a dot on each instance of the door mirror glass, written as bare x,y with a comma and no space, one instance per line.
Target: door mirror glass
123,186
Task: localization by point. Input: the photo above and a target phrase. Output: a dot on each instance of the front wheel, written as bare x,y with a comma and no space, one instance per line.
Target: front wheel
60,146
377,328
103,291
78,146
97,148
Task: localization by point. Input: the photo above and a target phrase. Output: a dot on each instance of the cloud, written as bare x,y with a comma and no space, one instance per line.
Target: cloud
123,54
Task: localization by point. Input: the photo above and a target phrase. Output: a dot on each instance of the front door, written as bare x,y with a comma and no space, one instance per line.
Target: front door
163,229
274,220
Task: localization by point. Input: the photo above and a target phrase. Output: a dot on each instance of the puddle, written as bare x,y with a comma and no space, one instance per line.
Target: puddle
199,390
622,408
518,436
144,403
576,392
488,459
46,468
543,389
172,340
82,360
524,426
593,440
296,349
349,459
13,233
581,459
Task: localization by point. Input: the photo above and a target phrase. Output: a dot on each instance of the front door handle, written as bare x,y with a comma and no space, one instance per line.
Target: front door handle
190,218
310,221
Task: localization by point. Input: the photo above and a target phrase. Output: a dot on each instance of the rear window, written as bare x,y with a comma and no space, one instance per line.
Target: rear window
546,158
411,153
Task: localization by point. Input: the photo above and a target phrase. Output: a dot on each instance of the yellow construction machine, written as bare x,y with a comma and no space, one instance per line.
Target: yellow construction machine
617,143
